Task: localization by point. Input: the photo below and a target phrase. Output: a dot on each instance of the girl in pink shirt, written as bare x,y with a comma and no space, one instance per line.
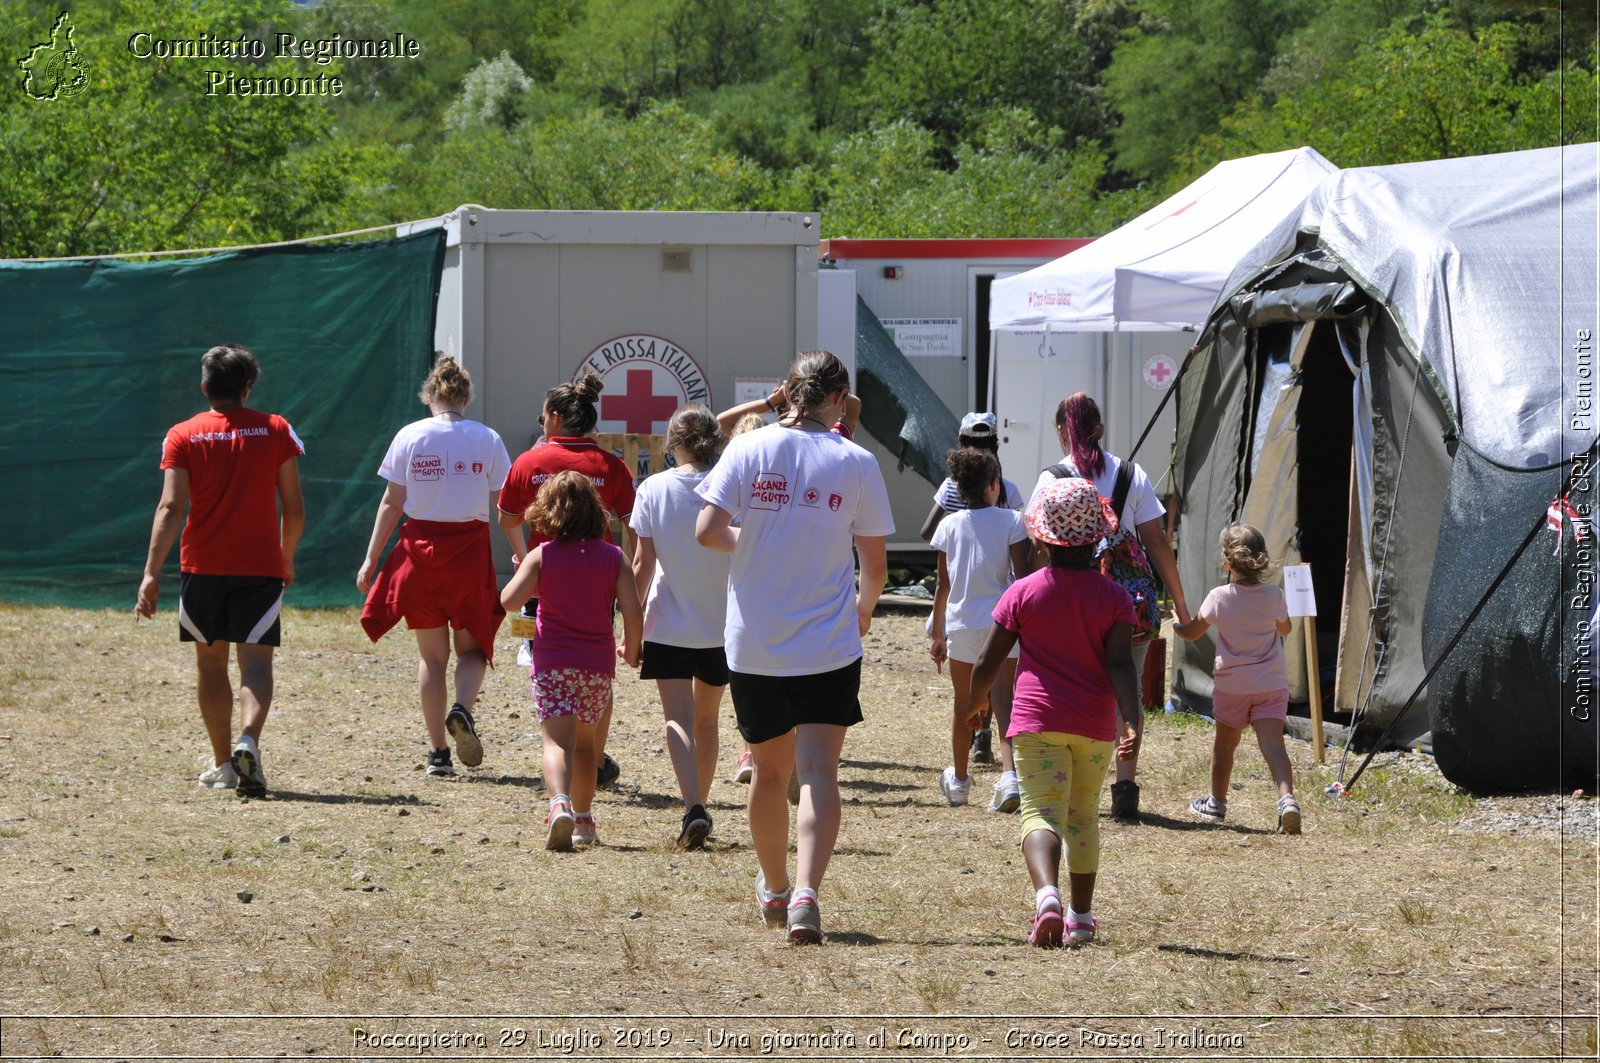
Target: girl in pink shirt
1076,701
578,577
1252,688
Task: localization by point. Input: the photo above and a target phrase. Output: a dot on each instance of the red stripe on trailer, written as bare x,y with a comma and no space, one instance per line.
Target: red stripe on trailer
844,248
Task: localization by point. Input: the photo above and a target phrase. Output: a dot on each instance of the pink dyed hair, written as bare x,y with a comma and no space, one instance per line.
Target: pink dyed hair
1079,415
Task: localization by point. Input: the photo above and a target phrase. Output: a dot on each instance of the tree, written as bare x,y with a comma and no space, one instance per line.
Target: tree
1187,64
1431,93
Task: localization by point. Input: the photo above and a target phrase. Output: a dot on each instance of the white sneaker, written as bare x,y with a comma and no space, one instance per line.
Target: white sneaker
955,790
220,777
745,770
1007,793
247,763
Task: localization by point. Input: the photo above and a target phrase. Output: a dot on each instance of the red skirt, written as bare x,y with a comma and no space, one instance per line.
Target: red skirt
438,568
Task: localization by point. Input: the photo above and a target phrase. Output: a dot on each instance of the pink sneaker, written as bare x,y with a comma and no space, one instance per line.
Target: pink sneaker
560,822
745,770
583,832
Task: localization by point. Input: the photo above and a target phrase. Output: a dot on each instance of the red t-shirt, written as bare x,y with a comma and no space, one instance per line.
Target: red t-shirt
1063,616
232,457
610,476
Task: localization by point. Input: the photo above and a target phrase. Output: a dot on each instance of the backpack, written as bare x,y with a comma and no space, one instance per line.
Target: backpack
1122,559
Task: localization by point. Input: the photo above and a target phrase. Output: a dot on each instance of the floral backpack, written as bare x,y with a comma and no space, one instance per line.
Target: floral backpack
1122,557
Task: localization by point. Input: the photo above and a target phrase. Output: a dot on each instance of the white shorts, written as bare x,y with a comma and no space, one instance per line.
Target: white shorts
964,645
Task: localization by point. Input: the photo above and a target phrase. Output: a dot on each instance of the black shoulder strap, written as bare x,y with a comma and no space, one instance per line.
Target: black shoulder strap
1060,470
1119,492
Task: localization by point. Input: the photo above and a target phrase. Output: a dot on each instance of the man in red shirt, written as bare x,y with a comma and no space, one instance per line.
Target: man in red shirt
234,468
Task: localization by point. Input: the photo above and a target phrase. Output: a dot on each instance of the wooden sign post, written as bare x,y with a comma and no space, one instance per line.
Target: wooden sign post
1303,603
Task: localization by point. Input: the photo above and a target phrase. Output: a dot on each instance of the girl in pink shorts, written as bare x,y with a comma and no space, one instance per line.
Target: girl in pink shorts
578,578
1252,688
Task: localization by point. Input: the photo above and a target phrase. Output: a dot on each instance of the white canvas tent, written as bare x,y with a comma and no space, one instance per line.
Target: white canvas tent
1164,269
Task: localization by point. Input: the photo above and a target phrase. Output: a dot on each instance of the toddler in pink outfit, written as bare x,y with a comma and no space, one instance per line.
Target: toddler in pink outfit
1252,688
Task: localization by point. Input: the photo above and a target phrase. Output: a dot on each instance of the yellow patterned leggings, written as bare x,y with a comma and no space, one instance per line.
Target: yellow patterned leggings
1061,775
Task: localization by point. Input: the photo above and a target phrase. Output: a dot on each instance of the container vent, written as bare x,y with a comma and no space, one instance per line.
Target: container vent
677,260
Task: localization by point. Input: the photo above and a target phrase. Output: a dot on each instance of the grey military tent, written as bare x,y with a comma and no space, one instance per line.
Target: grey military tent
1395,387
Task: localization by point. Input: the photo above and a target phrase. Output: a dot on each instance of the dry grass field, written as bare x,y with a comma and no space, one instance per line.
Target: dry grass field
141,917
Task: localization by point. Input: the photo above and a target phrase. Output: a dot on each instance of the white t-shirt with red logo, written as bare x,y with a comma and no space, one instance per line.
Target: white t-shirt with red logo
800,499
448,468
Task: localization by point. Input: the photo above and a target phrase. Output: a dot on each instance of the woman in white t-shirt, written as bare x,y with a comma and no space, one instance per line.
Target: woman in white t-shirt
685,607
444,476
1080,429
803,496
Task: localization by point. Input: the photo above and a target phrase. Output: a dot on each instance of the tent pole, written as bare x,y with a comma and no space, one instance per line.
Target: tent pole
1505,570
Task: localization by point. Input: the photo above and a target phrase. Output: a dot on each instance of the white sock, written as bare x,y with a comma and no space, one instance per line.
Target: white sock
1079,917
803,895
1047,898
560,797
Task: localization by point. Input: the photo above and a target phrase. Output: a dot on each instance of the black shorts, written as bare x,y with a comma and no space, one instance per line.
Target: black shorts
229,609
659,661
768,706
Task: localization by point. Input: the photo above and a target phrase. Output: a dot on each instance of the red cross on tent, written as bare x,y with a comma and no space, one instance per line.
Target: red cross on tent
639,407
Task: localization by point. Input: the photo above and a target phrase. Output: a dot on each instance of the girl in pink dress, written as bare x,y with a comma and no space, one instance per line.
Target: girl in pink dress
578,578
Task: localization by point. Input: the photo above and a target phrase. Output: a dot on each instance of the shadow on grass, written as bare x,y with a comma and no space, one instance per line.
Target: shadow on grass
1215,954
389,800
851,937
884,765
535,782
873,787
1155,819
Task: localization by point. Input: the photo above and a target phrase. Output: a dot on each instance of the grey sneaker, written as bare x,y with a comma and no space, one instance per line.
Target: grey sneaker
772,906
1007,794
1209,809
805,922
955,790
1288,815
247,764
439,762
460,725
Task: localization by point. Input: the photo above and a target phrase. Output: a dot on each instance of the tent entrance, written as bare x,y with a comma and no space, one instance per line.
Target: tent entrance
1298,473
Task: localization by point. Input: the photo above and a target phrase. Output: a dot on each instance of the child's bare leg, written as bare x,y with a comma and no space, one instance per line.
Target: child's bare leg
584,762
1081,887
816,822
1000,703
433,669
1127,769
1222,748
769,808
215,689
707,705
560,736
960,734
1269,736
1042,850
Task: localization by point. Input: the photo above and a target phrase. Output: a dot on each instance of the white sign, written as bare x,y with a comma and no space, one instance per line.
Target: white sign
925,337
646,379
1297,588
753,388
1159,373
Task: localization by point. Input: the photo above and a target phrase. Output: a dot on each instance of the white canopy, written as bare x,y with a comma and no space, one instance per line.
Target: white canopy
1164,269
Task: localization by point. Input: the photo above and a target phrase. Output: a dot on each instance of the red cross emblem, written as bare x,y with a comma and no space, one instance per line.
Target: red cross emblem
638,406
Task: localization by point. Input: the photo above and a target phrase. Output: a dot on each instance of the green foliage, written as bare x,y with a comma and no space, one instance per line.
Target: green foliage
947,64
489,95
143,158
1434,92
1187,64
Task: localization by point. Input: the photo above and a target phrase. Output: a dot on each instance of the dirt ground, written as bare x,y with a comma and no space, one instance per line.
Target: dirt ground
365,911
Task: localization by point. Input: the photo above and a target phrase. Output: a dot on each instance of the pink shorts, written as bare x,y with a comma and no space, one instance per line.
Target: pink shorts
1241,710
571,692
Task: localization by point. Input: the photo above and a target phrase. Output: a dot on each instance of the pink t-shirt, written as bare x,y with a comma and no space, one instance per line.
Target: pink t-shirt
1244,617
577,588
1062,616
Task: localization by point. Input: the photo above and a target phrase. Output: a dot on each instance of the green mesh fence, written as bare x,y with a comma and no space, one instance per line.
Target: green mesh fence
98,359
